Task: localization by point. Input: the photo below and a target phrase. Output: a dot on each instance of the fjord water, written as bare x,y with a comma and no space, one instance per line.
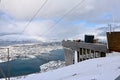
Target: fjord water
21,67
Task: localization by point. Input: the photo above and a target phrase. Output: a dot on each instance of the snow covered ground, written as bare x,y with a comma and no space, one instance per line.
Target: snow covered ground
52,65
107,68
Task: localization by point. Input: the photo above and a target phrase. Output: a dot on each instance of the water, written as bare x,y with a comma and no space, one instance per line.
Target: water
27,66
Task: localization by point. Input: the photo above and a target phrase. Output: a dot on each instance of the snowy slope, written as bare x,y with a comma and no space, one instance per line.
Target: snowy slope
95,69
52,65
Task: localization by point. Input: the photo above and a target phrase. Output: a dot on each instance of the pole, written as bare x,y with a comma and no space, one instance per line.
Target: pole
110,27
8,64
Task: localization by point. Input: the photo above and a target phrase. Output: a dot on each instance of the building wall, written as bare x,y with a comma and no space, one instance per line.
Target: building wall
69,56
113,41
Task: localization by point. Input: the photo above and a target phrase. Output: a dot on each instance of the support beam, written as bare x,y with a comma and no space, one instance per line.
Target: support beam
76,57
69,56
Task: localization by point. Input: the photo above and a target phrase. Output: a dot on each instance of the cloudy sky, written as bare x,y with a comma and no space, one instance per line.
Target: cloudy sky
57,19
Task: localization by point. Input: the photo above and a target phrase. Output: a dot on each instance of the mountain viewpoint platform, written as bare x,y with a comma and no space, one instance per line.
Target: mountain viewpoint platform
77,50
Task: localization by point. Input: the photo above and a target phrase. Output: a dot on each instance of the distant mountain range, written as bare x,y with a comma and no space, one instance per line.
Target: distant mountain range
8,43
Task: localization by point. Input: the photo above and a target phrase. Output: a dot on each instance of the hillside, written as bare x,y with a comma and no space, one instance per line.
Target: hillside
95,69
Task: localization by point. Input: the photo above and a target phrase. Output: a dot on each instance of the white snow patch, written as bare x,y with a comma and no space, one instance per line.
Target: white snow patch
52,65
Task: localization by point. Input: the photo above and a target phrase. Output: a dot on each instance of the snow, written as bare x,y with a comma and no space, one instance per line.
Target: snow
107,68
52,65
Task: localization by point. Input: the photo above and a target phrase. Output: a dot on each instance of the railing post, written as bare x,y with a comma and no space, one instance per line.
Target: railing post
8,64
82,55
86,54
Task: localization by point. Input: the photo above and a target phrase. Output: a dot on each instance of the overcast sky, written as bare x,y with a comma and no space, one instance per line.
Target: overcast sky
89,17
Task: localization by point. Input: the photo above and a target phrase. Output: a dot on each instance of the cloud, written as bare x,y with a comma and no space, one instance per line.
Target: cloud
90,10
102,30
84,19
39,29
